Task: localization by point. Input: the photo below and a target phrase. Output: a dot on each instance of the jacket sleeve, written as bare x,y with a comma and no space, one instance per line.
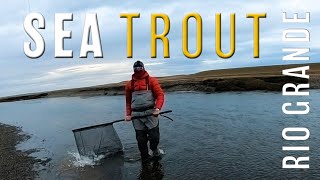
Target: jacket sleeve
128,93
157,92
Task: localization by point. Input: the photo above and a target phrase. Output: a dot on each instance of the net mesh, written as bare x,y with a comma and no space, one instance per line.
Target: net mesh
97,140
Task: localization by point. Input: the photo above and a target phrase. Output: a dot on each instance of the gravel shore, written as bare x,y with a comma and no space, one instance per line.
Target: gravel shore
15,164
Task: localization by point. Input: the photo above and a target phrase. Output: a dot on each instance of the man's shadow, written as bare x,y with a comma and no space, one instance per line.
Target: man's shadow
152,169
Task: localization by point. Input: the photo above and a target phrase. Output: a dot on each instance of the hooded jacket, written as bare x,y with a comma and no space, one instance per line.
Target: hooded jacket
139,83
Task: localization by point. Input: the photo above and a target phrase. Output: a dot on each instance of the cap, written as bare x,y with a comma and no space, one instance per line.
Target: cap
138,64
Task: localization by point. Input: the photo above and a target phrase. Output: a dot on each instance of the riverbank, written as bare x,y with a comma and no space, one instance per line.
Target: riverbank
265,78
15,164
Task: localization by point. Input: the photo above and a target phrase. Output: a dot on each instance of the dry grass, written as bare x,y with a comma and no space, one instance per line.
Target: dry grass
262,71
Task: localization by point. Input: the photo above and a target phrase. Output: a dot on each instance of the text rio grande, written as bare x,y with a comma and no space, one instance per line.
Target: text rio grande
296,135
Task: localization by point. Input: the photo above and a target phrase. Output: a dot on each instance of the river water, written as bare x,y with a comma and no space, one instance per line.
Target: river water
213,136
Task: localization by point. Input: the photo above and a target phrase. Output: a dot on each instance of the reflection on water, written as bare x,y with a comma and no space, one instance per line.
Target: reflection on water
151,170
110,168
215,136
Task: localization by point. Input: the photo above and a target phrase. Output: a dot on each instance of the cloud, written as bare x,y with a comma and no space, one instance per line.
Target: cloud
47,72
74,71
219,61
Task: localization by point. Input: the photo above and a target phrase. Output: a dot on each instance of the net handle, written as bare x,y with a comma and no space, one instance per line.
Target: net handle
110,123
137,117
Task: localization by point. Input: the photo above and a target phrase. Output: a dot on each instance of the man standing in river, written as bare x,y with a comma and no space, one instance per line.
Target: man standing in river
144,96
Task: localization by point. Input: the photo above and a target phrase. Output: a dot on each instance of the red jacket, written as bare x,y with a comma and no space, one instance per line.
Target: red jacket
140,84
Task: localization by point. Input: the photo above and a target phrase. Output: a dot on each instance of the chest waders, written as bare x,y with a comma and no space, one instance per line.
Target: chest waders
146,128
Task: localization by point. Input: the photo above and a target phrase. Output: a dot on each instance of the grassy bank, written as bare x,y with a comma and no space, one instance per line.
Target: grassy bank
268,78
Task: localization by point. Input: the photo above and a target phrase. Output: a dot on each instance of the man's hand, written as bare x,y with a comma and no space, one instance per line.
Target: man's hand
127,118
156,112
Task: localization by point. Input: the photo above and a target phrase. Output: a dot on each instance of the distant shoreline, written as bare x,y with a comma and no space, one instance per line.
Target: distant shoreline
267,78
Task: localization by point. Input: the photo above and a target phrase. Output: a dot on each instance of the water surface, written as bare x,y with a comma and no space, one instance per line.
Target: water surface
214,136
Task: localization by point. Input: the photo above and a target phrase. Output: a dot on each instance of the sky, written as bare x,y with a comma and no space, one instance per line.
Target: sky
20,74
